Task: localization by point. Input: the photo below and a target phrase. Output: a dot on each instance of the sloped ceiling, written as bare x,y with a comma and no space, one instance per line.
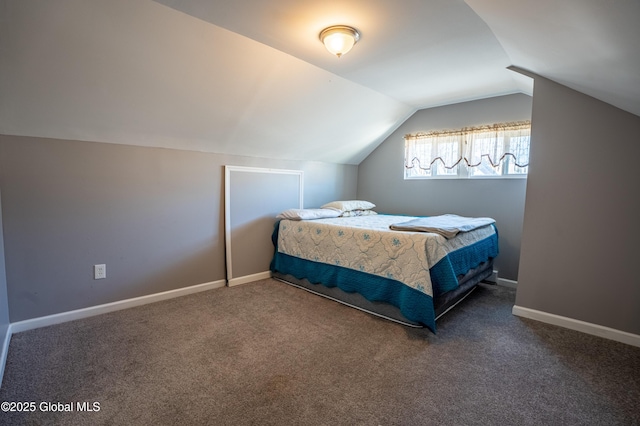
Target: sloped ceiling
422,53
592,46
250,77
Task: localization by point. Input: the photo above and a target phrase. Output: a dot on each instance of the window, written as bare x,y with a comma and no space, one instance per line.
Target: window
498,150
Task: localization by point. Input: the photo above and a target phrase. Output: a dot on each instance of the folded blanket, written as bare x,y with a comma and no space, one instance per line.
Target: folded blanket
447,225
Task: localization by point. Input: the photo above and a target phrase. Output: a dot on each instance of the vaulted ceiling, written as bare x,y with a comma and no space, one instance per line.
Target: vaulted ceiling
250,77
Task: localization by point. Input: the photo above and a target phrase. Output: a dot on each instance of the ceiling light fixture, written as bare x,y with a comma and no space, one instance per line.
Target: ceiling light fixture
339,39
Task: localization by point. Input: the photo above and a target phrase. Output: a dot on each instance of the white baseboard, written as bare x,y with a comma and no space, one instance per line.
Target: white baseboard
577,325
250,278
507,283
494,278
30,324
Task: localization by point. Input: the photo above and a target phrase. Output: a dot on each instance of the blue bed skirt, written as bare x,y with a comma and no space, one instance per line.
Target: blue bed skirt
415,305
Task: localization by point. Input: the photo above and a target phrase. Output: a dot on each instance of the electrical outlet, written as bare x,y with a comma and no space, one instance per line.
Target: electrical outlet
99,272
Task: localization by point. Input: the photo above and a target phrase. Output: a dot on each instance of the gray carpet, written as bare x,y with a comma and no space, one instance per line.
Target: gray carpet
268,353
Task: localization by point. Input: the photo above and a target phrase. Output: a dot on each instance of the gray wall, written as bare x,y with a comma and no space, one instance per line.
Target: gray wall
154,216
381,176
253,209
581,228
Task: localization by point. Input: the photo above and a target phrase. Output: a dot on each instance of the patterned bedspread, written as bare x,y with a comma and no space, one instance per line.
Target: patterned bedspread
424,262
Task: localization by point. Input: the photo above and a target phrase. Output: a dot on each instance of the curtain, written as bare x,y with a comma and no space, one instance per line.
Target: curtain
424,150
446,149
494,143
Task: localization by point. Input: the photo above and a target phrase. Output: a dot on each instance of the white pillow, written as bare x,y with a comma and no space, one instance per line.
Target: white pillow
308,214
345,206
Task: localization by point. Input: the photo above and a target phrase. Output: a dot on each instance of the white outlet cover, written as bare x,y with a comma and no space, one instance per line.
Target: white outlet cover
99,272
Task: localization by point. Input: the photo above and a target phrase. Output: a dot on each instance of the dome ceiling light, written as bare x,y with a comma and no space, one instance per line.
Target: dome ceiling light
339,39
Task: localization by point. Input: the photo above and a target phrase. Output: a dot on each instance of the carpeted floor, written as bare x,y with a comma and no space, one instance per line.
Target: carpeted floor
267,353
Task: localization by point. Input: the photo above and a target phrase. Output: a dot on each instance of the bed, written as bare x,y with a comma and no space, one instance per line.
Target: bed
410,276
